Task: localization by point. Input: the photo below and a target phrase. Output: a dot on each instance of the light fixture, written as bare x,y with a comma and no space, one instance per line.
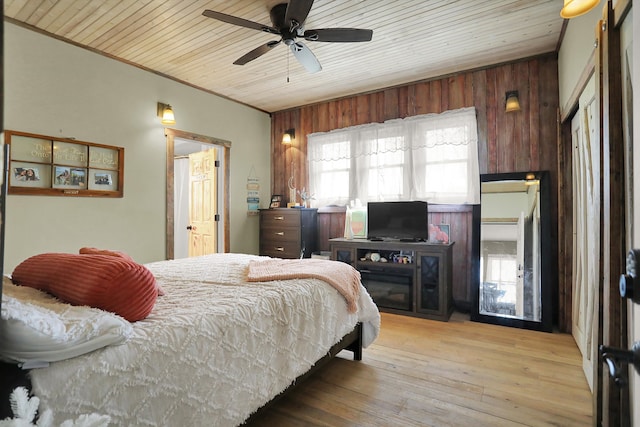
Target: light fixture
512,104
573,8
531,179
166,113
289,136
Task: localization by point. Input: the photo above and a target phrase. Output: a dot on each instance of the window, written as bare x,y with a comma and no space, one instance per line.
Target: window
502,270
433,157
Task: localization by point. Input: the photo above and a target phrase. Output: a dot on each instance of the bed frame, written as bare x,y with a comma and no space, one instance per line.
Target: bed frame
352,342
13,376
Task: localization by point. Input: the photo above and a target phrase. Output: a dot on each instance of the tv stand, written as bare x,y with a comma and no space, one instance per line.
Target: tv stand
403,277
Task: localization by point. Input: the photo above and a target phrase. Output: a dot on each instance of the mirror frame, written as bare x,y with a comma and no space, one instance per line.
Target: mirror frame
546,261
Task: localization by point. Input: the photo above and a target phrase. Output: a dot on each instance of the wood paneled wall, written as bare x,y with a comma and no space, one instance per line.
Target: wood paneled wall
508,142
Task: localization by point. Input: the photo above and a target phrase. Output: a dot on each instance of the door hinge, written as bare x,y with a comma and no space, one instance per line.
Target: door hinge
216,217
217,163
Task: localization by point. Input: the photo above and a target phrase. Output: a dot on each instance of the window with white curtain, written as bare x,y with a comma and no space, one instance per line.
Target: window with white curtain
432,157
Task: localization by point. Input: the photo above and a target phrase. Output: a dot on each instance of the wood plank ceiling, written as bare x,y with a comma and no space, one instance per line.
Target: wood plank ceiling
412,40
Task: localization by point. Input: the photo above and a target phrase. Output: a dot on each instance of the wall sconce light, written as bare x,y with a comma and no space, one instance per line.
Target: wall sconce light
512,104
289,136
166,113
573,8
531,179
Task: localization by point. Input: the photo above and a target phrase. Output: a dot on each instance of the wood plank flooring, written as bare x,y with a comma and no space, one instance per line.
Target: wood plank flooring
458,373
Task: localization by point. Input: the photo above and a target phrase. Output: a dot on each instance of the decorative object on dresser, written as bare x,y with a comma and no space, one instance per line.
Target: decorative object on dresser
288,232
276,199
410,278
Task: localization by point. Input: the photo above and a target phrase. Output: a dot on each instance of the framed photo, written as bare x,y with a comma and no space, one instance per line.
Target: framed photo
69,177
439,233
62,176
29,175
103,180
26,174
276,201
358,223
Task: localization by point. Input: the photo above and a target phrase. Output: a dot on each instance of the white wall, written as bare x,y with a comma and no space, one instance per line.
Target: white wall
503,205
576,50
57,89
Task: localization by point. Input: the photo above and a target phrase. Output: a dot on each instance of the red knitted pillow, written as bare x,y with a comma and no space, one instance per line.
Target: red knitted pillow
96,251
107,282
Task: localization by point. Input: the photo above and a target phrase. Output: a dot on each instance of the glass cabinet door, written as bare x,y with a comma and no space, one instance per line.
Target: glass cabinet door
429,276
343,254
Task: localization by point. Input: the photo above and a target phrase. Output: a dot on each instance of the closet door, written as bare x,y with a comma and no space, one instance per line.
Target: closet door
586,217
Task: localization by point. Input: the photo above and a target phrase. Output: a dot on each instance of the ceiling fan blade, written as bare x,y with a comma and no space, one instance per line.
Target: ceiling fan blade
256,53
304,55
239,21
297,11
345,35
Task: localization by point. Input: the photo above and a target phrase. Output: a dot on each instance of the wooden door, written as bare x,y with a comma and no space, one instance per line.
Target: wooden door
586,216
633,321
202,203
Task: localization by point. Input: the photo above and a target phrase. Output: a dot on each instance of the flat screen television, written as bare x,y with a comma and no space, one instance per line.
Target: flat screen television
397,221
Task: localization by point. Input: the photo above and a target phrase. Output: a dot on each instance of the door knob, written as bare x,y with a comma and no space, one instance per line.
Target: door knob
616,356
628,283
191,227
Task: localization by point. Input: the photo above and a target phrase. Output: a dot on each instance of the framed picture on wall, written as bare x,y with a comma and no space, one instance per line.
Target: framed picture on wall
46,165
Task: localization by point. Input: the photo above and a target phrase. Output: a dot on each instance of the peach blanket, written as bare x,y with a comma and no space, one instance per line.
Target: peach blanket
343,277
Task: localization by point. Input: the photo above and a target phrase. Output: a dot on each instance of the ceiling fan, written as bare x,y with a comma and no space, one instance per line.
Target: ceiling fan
288,22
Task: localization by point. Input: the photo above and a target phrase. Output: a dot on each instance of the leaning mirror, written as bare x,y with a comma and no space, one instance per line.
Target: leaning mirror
513,287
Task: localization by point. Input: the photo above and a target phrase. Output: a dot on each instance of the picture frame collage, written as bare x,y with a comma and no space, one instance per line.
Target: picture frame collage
44,165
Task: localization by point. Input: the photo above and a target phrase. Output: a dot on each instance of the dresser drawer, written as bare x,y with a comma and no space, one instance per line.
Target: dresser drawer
280,250
280,218
280,234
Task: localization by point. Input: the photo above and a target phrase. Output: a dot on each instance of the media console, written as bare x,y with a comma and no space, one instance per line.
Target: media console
410,278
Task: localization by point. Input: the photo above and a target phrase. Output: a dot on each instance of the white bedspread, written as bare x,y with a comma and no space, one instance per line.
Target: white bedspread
214,349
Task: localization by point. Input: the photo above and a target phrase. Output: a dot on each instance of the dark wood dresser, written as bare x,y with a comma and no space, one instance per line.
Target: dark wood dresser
288,232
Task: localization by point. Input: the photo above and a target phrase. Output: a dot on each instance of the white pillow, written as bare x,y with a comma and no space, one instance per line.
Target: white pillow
36,327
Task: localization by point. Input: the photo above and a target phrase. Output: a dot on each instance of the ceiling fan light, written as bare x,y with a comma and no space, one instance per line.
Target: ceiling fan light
573,8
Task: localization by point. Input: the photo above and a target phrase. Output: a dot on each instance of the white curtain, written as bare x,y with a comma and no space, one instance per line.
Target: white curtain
432,157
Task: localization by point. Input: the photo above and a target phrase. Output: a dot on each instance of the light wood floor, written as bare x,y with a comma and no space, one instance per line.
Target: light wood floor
457,373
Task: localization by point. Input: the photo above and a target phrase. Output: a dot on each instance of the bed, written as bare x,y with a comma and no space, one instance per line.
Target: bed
214,349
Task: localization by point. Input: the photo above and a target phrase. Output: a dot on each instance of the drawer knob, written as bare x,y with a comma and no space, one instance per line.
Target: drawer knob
278,218
279,233
280,249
